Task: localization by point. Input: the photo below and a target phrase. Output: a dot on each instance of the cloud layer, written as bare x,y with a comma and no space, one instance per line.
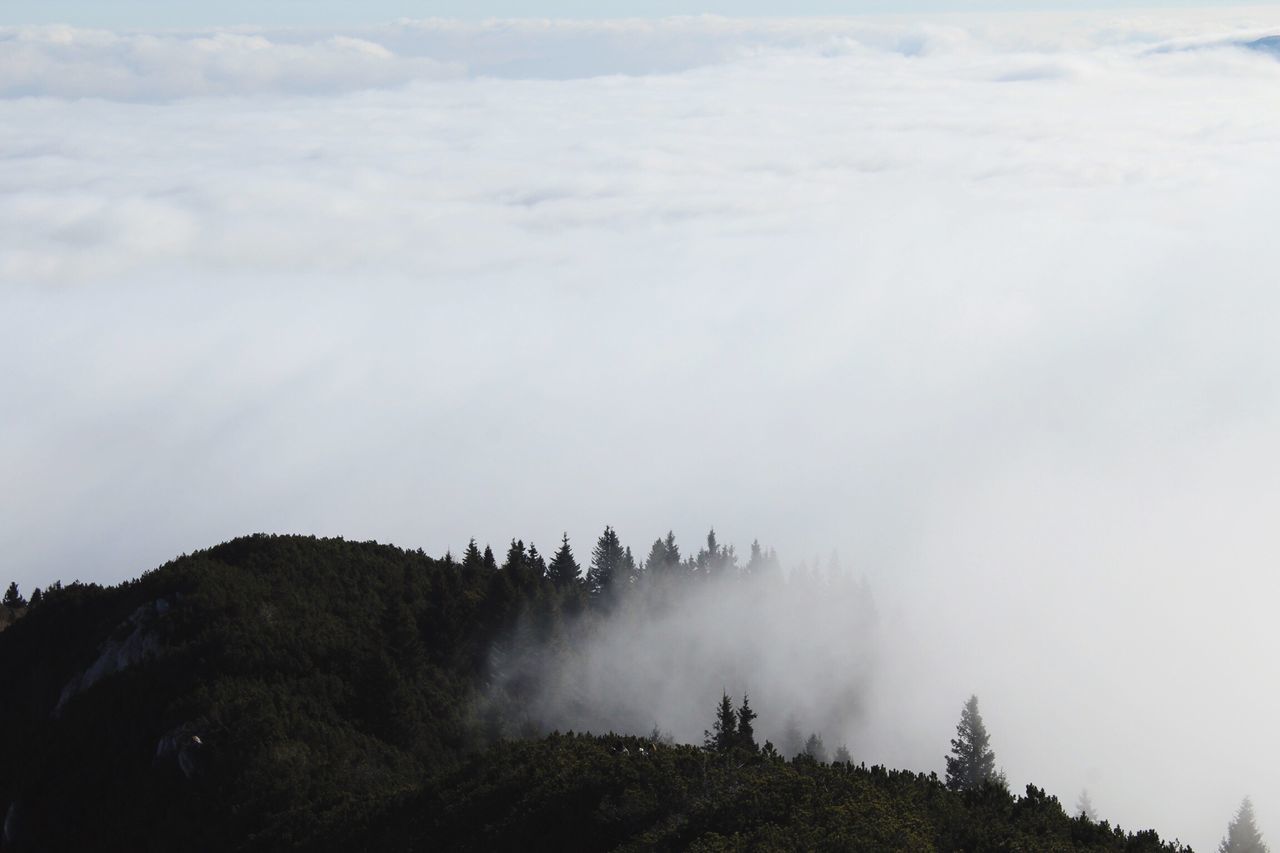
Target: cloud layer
68,62
983,303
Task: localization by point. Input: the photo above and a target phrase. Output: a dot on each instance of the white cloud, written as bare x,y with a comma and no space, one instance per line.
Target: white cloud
75,63
62,61
983,303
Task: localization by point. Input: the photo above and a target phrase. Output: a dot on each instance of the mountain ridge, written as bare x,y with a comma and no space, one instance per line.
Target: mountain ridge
287,692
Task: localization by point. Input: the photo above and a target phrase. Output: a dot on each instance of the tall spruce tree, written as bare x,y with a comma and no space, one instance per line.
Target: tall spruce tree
724,731
516,556
536,566
516,567
715,560
1084,806
746,731
655,565
472,561
971,762
815,748
628,571
1242,833
673,550
607,564
664,557
12,598
564,569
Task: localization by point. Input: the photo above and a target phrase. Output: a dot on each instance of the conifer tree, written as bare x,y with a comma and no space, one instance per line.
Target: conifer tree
842,755
1242,833
516,568
607,564
1084,806
815,749
971,762
714,560
673,550
564,569
12,598
724,733
490,564
472,561
36,596
516,556
656,563
746,731
628,571
664,557
537,567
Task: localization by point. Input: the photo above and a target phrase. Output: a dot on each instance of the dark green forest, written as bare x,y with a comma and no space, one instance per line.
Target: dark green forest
287,692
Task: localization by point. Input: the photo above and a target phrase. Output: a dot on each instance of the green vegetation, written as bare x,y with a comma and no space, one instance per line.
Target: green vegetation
575,792
280,692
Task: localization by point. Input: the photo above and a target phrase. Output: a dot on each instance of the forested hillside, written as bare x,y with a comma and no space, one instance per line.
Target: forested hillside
280,692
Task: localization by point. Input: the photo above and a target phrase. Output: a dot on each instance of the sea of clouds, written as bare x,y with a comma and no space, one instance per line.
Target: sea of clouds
985,303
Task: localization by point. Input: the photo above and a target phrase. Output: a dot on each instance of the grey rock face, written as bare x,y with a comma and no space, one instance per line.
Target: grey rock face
117,654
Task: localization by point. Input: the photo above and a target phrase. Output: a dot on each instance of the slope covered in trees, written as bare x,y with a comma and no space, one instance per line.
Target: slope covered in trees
318,675
576,792
294,693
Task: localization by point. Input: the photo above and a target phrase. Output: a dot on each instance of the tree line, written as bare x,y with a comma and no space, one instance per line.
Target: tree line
613,568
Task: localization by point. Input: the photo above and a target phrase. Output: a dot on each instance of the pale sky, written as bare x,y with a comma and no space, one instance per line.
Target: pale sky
162,13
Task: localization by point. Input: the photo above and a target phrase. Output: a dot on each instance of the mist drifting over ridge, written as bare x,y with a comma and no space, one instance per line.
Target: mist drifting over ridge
803,645
982,303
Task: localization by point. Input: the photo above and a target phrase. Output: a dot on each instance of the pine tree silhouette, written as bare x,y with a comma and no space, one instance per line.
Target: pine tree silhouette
534,564
746,731
607,564
564,569
1242,834
971,761
724,731
815,748
471,559
12,598
1084,806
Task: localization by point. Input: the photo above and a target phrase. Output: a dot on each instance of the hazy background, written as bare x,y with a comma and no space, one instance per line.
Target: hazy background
986,303
160,13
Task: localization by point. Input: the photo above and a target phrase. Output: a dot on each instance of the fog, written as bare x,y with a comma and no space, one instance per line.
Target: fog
984,304
803,645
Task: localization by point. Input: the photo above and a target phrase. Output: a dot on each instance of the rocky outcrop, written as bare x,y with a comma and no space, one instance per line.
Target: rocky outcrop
12,832
183,747
119,653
